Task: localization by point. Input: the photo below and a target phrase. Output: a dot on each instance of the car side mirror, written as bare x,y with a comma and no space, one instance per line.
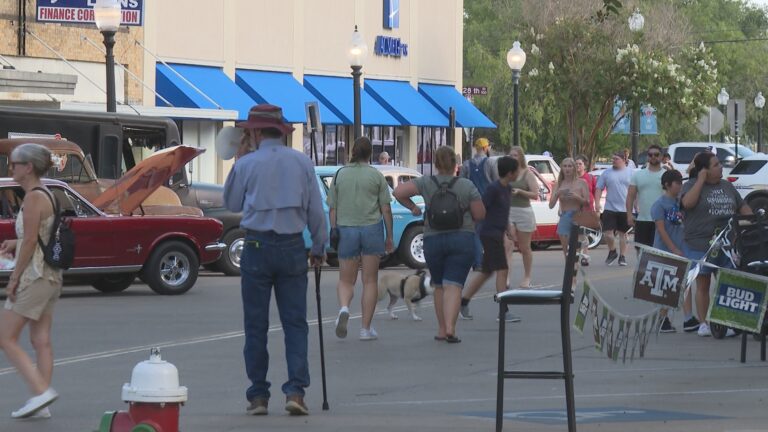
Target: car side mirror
729,162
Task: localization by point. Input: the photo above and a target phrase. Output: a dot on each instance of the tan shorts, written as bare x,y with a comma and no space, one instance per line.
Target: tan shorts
35,299
522,218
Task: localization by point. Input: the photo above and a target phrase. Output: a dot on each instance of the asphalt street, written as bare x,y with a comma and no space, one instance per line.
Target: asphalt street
405,381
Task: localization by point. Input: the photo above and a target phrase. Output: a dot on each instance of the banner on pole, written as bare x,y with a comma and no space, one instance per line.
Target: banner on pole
739,300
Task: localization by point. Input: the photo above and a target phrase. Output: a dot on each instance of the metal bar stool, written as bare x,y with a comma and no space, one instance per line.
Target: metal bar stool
564,298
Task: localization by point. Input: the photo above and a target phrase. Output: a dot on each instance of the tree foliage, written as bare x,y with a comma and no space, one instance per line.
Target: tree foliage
582,57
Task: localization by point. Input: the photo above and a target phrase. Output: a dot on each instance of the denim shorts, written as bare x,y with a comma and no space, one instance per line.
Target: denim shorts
449,257
355,241
564,225
721,260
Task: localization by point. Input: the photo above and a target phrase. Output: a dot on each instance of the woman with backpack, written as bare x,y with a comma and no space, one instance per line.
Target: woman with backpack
34,286
453,205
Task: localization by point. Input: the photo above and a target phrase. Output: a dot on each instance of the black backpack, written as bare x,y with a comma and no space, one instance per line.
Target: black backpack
60,250
444,211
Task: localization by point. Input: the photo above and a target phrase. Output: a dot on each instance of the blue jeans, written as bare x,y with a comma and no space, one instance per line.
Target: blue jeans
280,261
356,241
449,257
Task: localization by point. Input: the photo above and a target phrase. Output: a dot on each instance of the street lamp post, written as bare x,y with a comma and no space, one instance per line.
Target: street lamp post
722,99
357,52
516,61
108,16
636,22
759,104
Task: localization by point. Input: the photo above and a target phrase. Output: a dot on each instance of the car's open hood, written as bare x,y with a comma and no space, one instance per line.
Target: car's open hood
139,182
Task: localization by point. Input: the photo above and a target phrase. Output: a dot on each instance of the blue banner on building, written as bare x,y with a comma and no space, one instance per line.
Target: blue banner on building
391,14
648,124
81,11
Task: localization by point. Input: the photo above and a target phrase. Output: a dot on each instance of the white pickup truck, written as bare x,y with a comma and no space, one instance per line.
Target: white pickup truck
682,154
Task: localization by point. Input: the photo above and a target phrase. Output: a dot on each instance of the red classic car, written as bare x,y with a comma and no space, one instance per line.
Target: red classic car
164,251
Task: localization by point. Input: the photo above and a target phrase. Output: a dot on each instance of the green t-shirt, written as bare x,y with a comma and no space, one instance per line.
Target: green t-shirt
358,193
648,184
463,188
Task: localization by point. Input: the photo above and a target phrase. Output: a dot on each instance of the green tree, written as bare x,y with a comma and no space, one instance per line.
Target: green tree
573,77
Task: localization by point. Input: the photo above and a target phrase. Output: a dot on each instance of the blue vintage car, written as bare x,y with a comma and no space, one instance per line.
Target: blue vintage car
408,230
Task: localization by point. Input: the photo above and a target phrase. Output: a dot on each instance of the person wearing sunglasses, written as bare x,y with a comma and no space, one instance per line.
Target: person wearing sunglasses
645,188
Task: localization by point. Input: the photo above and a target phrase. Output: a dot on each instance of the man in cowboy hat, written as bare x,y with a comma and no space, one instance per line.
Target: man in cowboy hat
276,189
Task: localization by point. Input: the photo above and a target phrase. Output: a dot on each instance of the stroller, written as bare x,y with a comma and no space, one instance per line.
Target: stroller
744,241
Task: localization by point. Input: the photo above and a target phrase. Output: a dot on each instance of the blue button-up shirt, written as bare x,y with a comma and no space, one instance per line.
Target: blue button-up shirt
276,189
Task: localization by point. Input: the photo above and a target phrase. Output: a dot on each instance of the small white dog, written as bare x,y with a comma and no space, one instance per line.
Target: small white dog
411,288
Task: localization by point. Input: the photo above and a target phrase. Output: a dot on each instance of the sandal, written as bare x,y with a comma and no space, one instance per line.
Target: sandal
452,339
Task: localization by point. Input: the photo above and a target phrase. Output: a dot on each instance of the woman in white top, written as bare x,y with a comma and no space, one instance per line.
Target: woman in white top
34,286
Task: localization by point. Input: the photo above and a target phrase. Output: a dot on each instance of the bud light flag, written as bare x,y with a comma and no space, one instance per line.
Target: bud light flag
81,11
660,277
739,301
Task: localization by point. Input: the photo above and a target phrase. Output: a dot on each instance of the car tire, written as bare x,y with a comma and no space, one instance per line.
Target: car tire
171,269
411,249
229,263
114,283
759,202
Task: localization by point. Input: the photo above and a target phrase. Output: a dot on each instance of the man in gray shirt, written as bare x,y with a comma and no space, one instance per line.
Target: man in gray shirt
276,189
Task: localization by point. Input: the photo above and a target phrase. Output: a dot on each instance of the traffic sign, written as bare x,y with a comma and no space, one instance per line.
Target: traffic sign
742,115
711,123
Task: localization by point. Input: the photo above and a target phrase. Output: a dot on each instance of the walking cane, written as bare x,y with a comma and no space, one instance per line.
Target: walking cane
320,330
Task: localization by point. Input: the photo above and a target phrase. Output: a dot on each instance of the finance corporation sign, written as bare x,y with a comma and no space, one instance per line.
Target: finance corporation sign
81,11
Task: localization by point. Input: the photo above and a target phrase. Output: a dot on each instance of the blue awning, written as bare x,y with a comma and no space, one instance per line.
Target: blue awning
336,94
405,103
282,89
210,80
444,97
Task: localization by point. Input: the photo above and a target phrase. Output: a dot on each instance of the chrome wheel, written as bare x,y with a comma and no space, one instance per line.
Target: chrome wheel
174,268
417,248
594,237
235,251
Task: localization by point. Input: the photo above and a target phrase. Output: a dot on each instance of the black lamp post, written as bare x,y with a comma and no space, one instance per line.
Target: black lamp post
516,61
759,104
722,99
108,15
636,23
357,52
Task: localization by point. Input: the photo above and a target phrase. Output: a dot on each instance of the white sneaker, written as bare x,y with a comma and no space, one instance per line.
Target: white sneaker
368,334
341,324
704,330
36,403
44,413
730,332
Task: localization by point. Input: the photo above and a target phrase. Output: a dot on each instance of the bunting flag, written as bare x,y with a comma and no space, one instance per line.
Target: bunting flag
581,314
612,340
739,300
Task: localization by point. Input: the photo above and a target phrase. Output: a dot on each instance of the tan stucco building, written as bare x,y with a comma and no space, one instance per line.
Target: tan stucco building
204,63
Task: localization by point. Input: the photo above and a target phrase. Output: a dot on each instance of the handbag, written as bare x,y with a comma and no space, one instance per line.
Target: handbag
587,218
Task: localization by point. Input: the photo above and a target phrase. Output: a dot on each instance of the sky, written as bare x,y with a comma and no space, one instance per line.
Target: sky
761,3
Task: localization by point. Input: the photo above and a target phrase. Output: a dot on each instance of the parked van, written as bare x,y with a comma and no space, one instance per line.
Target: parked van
682,154
115,143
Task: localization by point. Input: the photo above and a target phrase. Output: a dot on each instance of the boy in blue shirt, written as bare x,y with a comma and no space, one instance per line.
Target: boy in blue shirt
668,217
496,200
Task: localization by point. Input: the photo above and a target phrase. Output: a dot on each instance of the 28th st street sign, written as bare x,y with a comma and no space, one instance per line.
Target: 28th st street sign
81,11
